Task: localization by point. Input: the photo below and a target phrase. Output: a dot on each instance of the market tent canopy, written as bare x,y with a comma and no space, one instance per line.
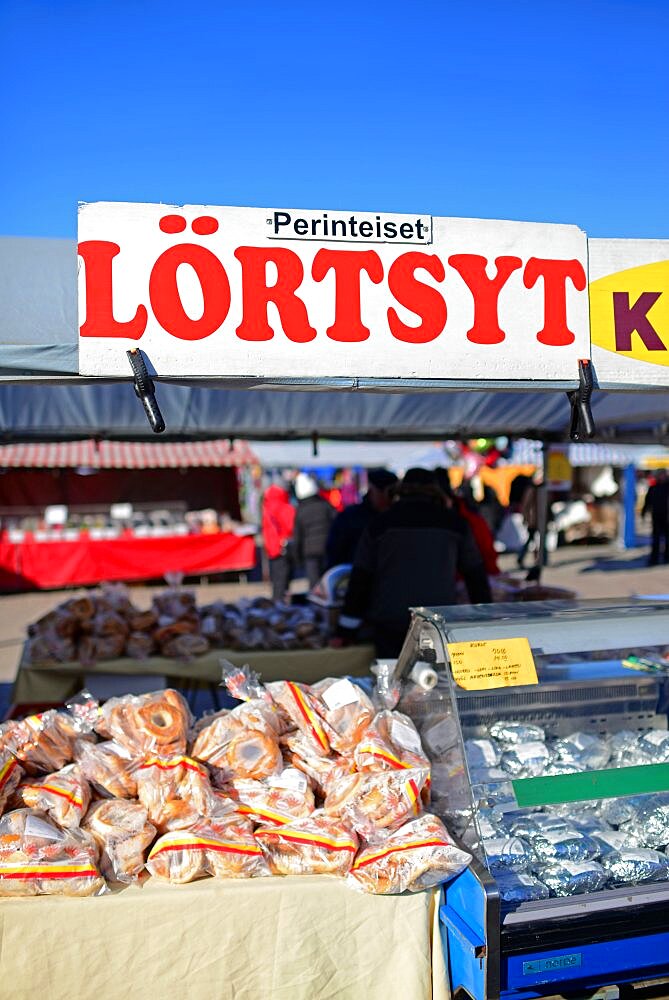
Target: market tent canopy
38,340
126,455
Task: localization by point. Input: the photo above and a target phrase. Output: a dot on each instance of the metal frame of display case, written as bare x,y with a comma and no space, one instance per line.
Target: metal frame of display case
561,946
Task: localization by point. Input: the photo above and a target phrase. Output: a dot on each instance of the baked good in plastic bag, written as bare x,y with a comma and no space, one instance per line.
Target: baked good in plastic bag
390,742
376,801
11,773
42,743
278,800
36,858
123,832
348,711
317,845
154,723
418,856
242,743
223,850
307,712
322,772
176,792
64,796
108,767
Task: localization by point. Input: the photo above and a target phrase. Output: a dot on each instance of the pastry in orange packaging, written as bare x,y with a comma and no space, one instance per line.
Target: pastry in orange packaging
306,711
11,773
175,791
64,796
348,711
123,832
154,723
37,858
42,743
376,801
390,742
277,800
321,771
317,845
418,856
108,767
185,855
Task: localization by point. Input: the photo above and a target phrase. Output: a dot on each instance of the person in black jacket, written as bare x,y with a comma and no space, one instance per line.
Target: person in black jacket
312,525
410,556
348,527
657,505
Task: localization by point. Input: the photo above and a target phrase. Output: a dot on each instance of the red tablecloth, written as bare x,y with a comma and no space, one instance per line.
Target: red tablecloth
30,565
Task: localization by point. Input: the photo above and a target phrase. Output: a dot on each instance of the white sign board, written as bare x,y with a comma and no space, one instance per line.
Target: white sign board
629,312
293,294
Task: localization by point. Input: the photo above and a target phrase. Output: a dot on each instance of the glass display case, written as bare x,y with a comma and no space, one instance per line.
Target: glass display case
559,789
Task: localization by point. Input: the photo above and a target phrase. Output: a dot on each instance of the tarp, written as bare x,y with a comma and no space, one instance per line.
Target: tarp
38,341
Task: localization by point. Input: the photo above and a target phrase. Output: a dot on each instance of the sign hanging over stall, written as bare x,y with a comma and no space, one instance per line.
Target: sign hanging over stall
281,294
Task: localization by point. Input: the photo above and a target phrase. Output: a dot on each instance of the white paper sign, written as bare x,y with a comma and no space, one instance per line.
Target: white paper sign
272,293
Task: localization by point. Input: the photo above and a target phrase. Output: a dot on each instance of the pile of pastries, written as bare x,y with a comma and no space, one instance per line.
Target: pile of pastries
105,624
295,780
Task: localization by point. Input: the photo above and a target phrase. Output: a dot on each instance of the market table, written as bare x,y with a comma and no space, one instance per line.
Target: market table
31,564
258,939
55,684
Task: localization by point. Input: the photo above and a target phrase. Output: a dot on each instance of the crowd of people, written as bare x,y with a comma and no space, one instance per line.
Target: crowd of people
409,543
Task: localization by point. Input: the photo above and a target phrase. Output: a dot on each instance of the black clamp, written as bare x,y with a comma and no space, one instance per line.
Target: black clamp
582,421
145,390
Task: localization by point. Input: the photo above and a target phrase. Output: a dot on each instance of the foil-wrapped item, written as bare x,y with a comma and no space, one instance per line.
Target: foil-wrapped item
625,748
655,746
584,750
589,824
649,823
497,796
636,865
567,878
527,760
482,753
561,767
620,811
563,845
489,825
518,888
507,854
613,841
532,824
514,733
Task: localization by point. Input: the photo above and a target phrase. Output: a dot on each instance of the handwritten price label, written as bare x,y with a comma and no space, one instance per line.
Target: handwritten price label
492,663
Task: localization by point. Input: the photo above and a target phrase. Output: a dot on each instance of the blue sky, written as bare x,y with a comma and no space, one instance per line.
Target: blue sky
541,111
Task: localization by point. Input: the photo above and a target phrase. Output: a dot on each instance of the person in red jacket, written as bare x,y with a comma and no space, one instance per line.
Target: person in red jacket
482,534
278,519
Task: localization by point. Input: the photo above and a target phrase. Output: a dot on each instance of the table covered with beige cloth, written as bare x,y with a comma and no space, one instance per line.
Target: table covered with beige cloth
55,683
308,938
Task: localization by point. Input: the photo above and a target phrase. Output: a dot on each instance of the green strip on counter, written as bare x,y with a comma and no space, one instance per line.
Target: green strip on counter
608,784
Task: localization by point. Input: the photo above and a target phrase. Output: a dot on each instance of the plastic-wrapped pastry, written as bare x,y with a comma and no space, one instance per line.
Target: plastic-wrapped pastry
507,854
482,753
306,711
391,742
108,767
418,856
140,645
376,800
322,772
243,742
514,733
586,751
348,711
568,878
176,792
563,845
520,888
36,858
276,801
634,865
226,851
122,831
526,759
317,845
11,773
148,723
64,796
42,743
185,646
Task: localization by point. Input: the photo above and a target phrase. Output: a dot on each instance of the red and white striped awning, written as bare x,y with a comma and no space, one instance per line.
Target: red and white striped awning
126,455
